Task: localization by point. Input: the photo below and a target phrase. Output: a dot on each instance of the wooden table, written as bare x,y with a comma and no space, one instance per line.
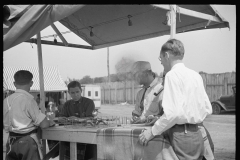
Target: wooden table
72,134
120,140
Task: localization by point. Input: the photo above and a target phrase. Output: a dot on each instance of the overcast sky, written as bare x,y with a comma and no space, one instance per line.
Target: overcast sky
210,51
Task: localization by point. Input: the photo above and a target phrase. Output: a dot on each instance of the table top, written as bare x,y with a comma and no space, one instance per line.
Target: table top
78,133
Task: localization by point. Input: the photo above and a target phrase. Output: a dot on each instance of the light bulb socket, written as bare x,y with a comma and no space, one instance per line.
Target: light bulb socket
55,40
129,20
91,32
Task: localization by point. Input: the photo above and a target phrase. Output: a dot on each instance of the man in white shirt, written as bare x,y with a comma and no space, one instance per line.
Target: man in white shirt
185,104
147,100
21,119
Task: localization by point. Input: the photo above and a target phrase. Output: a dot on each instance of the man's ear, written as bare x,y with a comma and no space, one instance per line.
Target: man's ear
31,83
167,55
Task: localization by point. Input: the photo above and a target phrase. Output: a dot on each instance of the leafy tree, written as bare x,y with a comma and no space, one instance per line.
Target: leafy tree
114,78
98,80
123,68
86,80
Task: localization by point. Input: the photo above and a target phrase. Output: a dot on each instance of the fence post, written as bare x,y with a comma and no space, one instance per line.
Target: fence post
109,93
225,85
115,92
133,90
103,95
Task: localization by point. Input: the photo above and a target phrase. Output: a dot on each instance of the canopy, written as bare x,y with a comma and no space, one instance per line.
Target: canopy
52,78
103,25
110,24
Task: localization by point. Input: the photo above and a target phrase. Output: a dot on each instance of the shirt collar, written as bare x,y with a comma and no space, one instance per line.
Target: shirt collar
24,92
178,65
76,102
154,82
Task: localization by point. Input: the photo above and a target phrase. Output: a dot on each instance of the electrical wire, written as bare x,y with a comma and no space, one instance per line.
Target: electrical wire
102,23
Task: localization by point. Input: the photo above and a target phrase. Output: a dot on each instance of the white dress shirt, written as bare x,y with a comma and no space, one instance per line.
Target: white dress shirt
25,115
184,100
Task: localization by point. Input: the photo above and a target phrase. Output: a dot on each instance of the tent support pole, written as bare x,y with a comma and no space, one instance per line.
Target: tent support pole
42,96
173,21
40,67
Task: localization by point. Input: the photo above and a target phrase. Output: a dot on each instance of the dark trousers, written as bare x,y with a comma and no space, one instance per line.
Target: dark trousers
22,148
187,146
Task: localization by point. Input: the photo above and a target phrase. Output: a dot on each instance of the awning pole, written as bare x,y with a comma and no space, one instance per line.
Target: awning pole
173,11
41,80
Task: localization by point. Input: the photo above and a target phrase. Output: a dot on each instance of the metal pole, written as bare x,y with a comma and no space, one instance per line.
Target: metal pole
41,79
173,21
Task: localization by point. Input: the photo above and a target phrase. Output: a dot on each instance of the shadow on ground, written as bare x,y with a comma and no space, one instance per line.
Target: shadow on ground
225,155
227,113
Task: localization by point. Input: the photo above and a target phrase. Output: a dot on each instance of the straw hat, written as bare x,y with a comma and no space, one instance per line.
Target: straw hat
140,66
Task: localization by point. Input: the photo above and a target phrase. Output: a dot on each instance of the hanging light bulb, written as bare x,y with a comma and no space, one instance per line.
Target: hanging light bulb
91,33
129,20
55,39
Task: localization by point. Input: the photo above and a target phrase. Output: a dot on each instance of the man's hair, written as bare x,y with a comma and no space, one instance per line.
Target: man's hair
74,84
23,77
174,46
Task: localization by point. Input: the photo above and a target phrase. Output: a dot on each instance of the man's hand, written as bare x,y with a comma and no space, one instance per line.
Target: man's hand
139,120
73,118
62,119
50,115
151,119
146,136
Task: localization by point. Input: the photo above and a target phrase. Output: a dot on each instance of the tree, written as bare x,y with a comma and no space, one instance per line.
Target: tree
98,80
114,78
123,68
86,80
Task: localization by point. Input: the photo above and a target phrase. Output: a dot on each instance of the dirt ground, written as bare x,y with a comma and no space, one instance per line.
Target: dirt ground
222,129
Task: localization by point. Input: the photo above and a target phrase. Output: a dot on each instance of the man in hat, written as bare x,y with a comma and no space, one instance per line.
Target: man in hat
185,104
147,100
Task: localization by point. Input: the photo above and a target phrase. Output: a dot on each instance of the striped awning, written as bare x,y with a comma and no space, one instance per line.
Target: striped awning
52,78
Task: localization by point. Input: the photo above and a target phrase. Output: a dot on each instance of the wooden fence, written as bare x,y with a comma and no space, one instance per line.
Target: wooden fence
120,92
218,84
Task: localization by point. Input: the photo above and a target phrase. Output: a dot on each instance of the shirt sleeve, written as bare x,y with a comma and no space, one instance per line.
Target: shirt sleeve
137,103
34,112
90,108
170,103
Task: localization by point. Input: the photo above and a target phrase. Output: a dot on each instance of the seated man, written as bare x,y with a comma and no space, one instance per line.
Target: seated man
78,107
147,100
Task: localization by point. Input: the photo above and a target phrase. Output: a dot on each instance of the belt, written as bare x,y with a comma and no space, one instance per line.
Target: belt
187,125
12,134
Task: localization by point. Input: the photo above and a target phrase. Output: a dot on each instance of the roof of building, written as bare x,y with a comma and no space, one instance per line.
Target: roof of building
52,78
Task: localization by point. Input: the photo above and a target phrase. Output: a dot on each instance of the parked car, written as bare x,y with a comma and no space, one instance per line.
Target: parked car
226,103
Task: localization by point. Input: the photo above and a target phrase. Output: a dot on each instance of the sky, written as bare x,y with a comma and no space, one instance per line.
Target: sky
210,51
